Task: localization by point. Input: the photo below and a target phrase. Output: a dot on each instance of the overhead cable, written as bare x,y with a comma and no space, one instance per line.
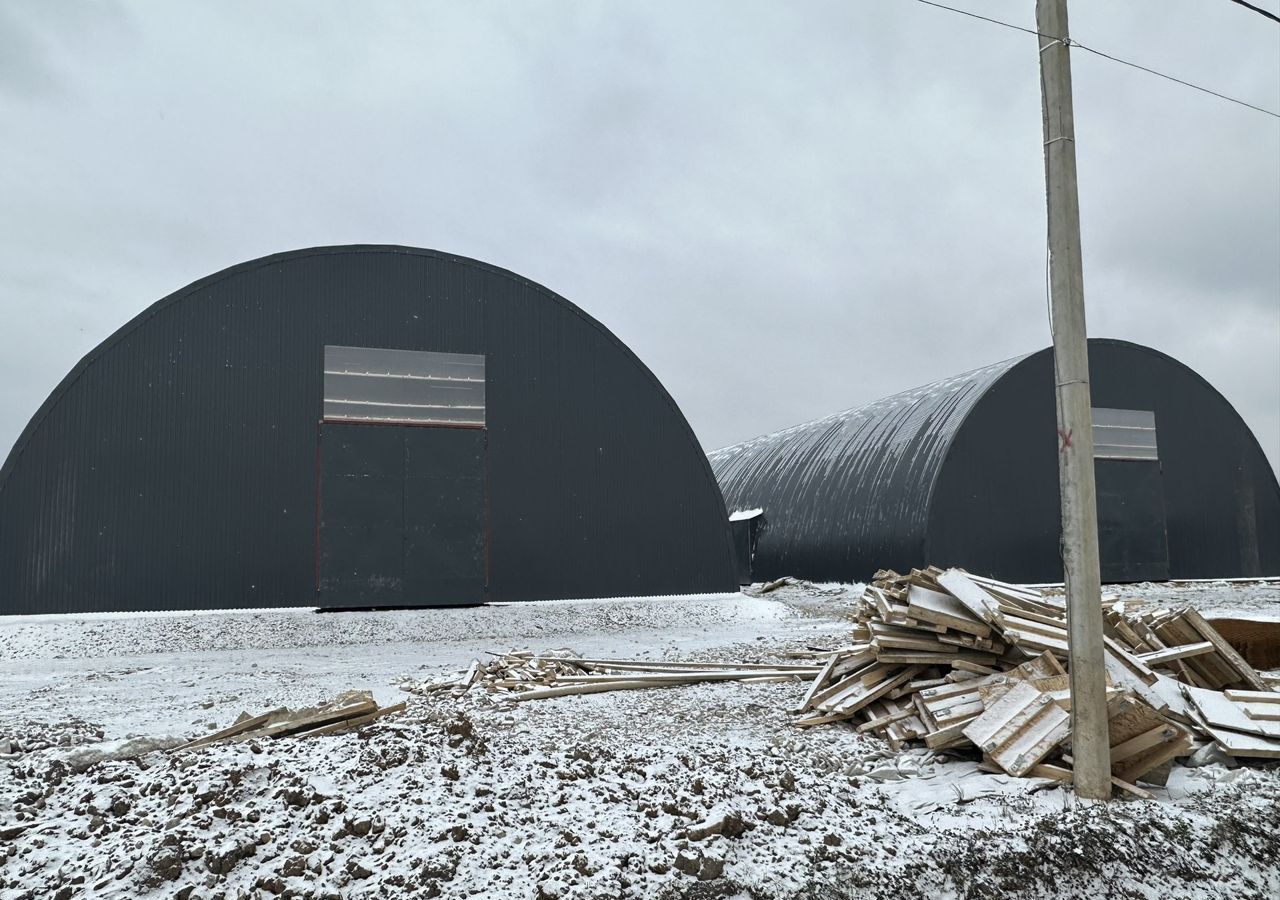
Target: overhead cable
1259,10
1072,43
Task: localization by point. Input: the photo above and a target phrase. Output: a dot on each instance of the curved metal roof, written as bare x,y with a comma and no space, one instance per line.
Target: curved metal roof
178,464
852,486
896,484
274,260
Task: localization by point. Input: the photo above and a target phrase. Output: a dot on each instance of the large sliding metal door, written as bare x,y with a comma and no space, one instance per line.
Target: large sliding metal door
1133,541
402,487
445,539
402,516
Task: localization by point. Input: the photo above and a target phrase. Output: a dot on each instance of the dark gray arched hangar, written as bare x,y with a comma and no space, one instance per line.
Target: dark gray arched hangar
964,472
357,426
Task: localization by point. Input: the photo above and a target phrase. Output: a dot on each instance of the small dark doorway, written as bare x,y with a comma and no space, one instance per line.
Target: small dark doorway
1133,541
402,487
746,527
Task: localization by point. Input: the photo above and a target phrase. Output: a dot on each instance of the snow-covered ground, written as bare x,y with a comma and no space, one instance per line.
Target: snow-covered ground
703,791
154,673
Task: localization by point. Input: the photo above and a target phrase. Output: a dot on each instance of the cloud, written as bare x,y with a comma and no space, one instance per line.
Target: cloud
785,209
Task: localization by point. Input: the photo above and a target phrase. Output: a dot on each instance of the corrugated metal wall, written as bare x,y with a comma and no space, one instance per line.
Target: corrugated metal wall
995,507
175,467
964,472
850,493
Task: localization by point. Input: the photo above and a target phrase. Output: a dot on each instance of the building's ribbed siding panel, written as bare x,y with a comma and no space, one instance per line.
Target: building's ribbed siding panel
964,472
175,468
850,493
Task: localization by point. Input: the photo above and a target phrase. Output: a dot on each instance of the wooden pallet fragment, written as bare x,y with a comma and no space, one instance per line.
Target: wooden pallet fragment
1067,775
945,610
349,706
1253,696
359,722
1169,654
244,723
1217,710
977,601
1020,729
1245,746
1225,650
352,709
1142,739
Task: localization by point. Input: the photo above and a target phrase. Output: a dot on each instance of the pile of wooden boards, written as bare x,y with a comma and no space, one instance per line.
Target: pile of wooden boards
522,675
960,661
352,709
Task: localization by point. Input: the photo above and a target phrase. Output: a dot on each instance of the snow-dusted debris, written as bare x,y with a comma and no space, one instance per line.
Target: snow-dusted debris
959,661
525,675
698,791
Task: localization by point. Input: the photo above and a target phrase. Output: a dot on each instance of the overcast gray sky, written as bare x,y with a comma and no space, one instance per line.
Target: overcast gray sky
785,209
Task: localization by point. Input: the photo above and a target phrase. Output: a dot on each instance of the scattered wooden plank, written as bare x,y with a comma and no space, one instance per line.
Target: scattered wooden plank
885,720
824,719
1211,669
1025,620
923,657
1269,713
980,604
307,719
857,701
1253,696
821,681
1010,598
1225,650
949,737
884,642
914,687
1143,742
945,610
880,600
930,627
1131,662
358,722
1067,776
690,677
1036,640
1124,677
570,690
1217,710
681,666
1249,746
1169,654
242,725
852,682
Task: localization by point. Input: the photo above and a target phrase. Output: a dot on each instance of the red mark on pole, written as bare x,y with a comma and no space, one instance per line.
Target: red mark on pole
1066,438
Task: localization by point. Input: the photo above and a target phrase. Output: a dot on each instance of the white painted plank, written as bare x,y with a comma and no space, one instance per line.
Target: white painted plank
1218,710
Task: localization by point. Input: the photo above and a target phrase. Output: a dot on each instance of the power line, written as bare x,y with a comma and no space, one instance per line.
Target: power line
972,15
1124,62
1262,12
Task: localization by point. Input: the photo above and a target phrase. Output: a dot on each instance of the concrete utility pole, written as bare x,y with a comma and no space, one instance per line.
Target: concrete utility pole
1089,736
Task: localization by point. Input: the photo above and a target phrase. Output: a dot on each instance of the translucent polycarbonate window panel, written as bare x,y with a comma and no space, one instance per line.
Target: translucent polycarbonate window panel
1124,434
411,387
421,363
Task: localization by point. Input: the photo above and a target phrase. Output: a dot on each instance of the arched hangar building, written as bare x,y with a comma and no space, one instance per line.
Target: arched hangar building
357,426
964,472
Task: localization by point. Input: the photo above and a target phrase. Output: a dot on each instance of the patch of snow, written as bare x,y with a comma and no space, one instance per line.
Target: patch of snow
676,793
